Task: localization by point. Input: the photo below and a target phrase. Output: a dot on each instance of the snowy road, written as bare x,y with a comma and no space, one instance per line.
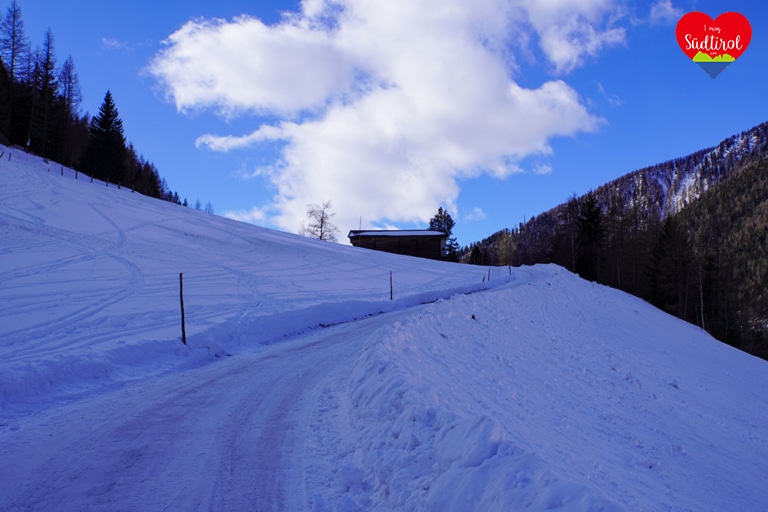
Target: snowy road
230,436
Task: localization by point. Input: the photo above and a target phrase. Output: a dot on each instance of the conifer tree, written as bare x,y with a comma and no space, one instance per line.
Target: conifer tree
590,232
105,156
442,221
41,138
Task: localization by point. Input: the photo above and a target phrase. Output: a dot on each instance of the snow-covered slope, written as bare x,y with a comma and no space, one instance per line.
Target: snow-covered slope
89,289
541,392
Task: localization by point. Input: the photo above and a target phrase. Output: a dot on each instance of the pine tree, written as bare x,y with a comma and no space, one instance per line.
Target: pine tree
42,139
105,156
442,221
590,233
668,273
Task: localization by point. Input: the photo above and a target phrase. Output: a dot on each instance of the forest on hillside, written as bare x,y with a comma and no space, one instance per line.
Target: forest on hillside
40,112
689,235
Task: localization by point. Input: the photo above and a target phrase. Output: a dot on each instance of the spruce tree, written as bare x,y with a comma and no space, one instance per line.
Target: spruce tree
442,221
590,233
105,156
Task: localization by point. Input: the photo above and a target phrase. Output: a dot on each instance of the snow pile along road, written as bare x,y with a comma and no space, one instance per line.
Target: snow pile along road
556,394
538,391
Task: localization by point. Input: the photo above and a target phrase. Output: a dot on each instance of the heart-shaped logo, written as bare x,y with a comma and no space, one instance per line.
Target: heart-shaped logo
713,44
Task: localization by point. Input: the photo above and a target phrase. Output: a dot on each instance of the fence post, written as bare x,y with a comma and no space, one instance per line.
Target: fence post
390,286
181,300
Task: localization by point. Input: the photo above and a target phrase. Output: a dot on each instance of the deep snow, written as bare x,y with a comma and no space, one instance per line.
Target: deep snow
304,387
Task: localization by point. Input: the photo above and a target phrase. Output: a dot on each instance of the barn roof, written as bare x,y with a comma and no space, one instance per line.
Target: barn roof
394,232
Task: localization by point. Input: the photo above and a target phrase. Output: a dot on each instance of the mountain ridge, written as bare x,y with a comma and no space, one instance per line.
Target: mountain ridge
635,232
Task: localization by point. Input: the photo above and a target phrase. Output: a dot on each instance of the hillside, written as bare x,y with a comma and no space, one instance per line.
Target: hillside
303,387
626,248
82,261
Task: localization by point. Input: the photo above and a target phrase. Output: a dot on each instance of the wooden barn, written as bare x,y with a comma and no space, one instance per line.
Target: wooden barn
422,243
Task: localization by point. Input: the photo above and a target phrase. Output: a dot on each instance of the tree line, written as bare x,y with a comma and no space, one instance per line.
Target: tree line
689,236
40,111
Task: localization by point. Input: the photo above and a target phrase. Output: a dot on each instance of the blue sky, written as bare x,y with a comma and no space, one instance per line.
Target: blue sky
498,110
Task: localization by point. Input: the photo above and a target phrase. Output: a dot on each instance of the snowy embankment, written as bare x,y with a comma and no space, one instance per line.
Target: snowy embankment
542,392
555,394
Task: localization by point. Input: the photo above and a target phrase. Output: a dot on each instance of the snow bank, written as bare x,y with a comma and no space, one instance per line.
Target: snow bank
555,394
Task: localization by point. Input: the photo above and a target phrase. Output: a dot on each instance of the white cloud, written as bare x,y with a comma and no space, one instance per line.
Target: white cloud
109,44
664,12
245,65
255,215
383,107
229,142
476,214
570,30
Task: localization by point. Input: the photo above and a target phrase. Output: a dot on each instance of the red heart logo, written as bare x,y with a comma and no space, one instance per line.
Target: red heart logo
713,44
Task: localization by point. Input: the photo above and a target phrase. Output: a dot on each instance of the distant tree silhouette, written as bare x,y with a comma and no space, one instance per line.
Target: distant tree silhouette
42,138
105,155
589,237
5,104
14,47
72,128
320,225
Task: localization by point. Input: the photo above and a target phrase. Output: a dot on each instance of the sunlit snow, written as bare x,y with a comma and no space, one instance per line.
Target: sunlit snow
304,387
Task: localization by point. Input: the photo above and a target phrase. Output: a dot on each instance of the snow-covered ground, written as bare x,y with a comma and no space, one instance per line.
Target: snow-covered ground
304,387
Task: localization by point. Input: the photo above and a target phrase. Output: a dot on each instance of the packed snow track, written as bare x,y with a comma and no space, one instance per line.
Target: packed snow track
229,436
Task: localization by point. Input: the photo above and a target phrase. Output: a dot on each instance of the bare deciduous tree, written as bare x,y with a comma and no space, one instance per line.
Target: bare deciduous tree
320,225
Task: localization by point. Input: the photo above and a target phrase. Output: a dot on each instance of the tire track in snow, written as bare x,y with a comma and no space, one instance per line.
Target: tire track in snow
92,305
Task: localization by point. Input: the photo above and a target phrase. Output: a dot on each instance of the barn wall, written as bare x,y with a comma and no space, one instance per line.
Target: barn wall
422,247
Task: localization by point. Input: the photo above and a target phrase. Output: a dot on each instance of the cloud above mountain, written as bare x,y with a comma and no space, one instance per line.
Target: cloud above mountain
385,107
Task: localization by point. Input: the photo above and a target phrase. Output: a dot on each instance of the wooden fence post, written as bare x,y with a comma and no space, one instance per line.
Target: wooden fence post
181,299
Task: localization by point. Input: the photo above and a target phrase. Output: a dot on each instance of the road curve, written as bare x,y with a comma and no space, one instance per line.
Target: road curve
229,436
